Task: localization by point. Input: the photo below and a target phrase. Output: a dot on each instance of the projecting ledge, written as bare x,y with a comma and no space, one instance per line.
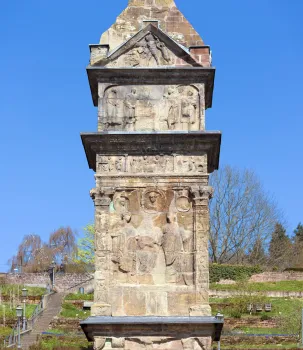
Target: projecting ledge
123,327
153,143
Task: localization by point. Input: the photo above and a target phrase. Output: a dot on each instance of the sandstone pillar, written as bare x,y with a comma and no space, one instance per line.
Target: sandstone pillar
152,80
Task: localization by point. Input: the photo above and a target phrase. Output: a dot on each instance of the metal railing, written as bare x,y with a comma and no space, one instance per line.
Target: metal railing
12,339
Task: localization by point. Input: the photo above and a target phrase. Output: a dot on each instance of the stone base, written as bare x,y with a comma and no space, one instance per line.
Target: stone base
159,343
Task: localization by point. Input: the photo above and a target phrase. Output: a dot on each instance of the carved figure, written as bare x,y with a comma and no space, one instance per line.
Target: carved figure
130,110
150,256
161,46
124,246
188,113
121,203
151,43
173,248
113,118
152,201
136,165
119,164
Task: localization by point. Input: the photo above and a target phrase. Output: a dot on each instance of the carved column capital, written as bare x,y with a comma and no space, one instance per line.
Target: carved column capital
201,194
102,196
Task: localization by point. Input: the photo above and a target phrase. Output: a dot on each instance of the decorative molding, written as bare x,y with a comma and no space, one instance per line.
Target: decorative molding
152,144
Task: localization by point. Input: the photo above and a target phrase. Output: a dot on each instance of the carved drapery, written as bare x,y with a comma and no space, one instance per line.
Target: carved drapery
151,108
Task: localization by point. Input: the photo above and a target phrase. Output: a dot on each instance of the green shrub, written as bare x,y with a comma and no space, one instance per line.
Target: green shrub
235,313
265,317
295,269
219,272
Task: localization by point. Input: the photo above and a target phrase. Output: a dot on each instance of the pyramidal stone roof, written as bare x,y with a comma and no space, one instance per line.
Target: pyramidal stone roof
171,21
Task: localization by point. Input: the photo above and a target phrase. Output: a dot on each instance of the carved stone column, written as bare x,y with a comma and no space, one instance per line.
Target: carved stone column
102,198
201,196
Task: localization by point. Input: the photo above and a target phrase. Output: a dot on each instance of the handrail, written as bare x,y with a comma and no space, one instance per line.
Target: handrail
38,310
12,339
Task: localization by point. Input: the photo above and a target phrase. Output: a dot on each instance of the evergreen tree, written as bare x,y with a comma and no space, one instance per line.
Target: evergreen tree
257,254
279,247
297,257
299,232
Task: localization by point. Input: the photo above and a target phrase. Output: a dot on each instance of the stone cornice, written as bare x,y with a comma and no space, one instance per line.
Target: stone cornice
139,143
152,76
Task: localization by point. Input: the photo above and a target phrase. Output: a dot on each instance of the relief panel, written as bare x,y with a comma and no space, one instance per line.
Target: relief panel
151,233
159,164
150,51
152,108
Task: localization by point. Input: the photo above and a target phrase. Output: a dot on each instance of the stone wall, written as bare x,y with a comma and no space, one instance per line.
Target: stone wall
232,323
273,294
257,340
66,281
277,276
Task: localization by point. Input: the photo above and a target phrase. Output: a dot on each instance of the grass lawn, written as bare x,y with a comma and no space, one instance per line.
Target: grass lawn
11,313
8,289
71,311
252,346
282,286
254,330
49,342
280,306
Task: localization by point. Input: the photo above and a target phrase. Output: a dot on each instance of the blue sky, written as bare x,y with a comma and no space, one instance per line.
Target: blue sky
45,103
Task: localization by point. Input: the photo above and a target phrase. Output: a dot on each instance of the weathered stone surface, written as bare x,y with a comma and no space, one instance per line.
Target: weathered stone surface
152,159
151,108
170,20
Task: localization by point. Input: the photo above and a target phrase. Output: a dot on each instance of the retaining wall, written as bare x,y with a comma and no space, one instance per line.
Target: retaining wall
63,281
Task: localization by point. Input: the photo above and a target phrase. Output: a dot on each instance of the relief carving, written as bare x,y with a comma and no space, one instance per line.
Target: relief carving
111,164
150,51
130,110
189,112
159,164
152,244
152,108
153,201
183,203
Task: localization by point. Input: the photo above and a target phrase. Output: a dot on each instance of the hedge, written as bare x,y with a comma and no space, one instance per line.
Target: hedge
219,272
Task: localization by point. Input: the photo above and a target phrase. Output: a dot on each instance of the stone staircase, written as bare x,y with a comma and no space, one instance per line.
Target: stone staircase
52,309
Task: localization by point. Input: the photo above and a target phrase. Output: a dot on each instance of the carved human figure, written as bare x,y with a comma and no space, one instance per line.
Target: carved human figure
188,112
151,203
150,255
119,164
172,108
136,165
112,103
173,248
130,110
151,43
161,46
124,245
121,203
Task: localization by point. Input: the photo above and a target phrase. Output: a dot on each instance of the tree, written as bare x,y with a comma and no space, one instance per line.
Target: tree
86,247
279,247
241,212
63,244
257,254
297,256
25,258
299,232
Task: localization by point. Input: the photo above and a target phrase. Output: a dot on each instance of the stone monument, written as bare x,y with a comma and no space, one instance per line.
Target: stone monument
152,80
